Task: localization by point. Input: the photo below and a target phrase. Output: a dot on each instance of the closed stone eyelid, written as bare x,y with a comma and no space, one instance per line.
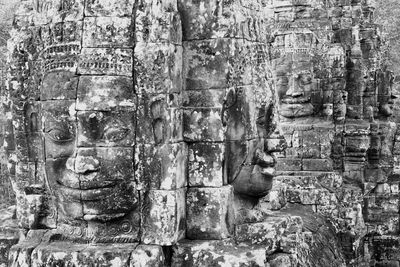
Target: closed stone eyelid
123,131
66,133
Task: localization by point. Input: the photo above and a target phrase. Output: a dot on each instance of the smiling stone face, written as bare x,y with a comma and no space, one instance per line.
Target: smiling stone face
96,103
296,88
250,140
89,148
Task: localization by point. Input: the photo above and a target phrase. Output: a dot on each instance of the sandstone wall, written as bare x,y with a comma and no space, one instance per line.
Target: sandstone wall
335,198
7,8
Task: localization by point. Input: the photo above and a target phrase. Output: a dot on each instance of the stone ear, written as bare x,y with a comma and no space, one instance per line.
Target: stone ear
229,101
230,98
31,118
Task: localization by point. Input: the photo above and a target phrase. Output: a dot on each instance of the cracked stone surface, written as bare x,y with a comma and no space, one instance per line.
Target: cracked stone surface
199,133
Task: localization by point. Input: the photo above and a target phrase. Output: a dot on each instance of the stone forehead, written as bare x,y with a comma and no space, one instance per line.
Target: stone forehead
90,92
50,11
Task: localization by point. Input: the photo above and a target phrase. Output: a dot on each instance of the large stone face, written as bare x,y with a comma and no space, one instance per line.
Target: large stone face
199,133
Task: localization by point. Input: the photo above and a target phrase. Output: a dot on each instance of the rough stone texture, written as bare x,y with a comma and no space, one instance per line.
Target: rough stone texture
7,197
200,133
209,213
163,218
217,253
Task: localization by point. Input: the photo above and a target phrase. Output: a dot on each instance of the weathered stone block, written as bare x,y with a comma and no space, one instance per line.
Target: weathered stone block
209,213
147,255
21,145
162,167
270,232
385,248
6,242
104,8
374,175
204,99
163,217
331,181
29,209
158,68
73,13
208,63
108,32
317,197
217,253
317,165
276,197
357,143
293,152
289,164
158,25
382,223
20,254
203,125
354,176
71,254
293,195
59,85
385,203
159,119
105,93
283,259
311,145
29,175
205,164
215,20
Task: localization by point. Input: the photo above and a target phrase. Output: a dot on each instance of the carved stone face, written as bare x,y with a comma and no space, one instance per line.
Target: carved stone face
296,86
89,146
251,138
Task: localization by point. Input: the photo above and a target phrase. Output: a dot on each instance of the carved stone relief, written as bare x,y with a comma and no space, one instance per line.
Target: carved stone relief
200,133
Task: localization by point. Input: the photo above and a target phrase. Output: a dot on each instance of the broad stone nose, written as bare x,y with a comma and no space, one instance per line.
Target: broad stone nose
83,164
294,89
263,159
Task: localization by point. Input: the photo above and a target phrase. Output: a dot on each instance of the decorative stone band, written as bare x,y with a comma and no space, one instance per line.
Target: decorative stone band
102,61
121,232
61,50
106,61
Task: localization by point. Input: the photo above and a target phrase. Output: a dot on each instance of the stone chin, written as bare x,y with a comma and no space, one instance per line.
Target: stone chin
296,110
97,204
254,183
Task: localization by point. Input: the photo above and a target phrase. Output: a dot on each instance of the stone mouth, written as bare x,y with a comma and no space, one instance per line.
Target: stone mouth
103,217
296,110
92,180
87,194
296,100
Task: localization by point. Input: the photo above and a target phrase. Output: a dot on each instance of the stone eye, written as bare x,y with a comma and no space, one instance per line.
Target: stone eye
60,135
305,78
261,120
115,132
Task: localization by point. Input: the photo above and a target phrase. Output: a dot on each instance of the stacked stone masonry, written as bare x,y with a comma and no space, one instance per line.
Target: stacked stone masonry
199,133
